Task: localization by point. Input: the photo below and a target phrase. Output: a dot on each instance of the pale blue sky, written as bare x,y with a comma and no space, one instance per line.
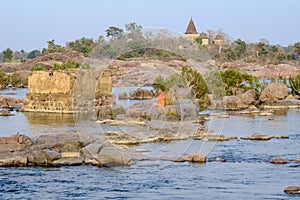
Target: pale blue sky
29,24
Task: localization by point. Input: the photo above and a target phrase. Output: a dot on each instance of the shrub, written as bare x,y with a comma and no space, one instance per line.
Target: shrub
295,84
38,68
68,65
235,79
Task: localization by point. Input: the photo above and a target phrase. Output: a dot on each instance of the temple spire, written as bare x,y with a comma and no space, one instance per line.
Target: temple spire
191,29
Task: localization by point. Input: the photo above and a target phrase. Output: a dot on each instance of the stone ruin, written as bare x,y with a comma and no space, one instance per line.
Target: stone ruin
69,91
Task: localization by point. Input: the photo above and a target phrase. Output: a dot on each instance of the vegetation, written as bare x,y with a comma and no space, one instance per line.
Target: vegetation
234,79
4,80
187,77
7,55
295,84
198,86
38,68
66,66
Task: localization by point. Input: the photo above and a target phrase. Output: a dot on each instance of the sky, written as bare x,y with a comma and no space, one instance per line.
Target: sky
30,24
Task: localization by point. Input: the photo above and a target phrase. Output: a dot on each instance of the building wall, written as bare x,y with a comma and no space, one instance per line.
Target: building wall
191,36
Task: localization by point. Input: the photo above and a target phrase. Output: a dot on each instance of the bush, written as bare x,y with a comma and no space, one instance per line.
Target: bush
66,66
235,79
38,68
295,84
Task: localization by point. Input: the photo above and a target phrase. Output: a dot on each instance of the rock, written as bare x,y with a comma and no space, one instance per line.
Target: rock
9,158
141,94
194,157
5,113
181,92
218,159
123,96
212,137
279,161
239,102
104,155
290,97
76,161
230,102
11,102
44,157
257,136
247,98
280,104
265,114
64,142
274,91
292,190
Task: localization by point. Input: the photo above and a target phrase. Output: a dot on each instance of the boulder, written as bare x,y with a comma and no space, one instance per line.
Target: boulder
230,102
239,102
292,190
141,94
181,92
104,155
5,113
123,95
44,157
275,91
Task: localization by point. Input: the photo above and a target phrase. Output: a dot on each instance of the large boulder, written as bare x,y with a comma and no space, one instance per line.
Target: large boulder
239,102
104,155
275,91
14,150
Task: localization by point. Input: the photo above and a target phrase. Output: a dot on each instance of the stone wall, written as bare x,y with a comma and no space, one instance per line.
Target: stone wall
50,91
68,91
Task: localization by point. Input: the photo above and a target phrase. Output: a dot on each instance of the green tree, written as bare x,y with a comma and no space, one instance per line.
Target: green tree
34,54
52,47
82,45
240,48
7,55
114,32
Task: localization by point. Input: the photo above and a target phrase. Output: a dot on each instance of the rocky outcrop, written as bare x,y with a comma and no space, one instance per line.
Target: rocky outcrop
57,150
183,110
274,91
10,102
267,71
141,94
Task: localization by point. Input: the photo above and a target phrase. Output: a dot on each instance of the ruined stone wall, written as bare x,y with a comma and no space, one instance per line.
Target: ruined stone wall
50,91
69,91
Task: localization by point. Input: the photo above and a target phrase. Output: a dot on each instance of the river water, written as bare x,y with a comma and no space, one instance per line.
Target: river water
247,174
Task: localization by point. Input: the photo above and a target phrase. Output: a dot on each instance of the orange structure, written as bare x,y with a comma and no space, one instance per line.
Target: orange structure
162,99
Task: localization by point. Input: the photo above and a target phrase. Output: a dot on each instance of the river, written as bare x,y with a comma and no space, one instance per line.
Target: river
247,174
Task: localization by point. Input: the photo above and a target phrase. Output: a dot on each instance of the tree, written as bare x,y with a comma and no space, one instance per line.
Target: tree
240,48
83,45
52,47
7,55
114,32
34,54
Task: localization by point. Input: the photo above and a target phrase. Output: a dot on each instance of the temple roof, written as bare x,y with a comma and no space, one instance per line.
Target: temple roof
191,29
